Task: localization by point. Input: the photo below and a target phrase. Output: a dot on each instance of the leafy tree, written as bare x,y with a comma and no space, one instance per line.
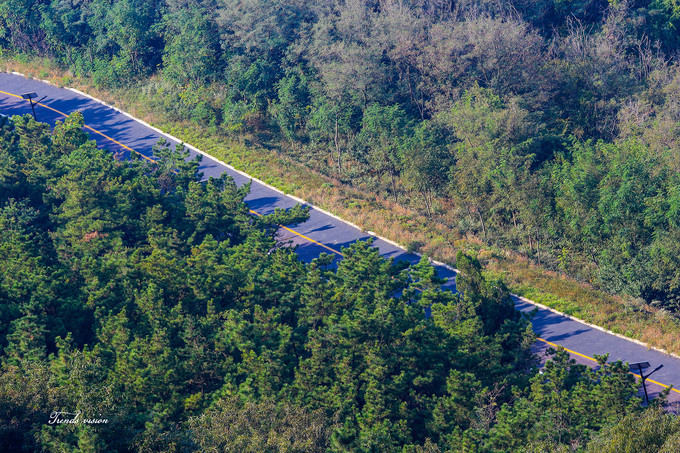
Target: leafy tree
664,16
293,103
131,29
380,139
653,430
334,123
426,163
192,52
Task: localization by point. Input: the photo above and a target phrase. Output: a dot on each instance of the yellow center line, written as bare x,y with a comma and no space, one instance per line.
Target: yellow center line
300,234
151,160
85,125
594,360
11,94
119,143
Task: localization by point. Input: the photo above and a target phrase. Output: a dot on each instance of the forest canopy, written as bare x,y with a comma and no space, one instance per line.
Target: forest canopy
135,293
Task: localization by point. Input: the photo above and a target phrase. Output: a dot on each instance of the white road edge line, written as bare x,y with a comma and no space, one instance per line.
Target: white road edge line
300,200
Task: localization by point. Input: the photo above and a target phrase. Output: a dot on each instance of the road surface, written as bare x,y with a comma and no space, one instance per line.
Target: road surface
118,132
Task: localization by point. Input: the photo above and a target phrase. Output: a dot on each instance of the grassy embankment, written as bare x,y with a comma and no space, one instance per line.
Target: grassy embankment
375,213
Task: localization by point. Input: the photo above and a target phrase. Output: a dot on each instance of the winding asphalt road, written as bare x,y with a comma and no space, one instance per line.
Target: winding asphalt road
121,133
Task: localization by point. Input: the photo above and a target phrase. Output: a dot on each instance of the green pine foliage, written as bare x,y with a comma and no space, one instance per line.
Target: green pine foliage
133,292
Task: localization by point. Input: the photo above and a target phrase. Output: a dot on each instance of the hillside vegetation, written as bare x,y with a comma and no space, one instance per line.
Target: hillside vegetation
133,293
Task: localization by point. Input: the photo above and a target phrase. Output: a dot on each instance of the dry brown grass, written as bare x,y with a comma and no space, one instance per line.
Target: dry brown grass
623,315
397,222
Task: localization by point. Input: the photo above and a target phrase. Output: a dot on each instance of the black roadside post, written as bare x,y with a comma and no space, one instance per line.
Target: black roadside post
639,367
29,97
